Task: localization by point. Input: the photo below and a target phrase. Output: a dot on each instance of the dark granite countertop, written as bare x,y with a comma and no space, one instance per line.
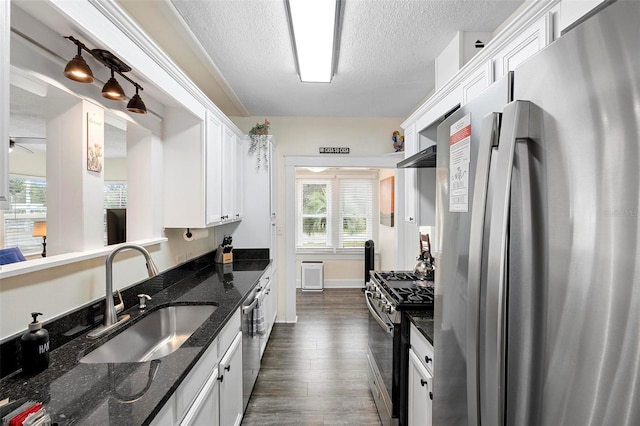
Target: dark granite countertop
84,394
423,320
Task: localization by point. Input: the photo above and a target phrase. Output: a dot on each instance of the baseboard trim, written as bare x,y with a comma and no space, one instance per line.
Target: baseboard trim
338,283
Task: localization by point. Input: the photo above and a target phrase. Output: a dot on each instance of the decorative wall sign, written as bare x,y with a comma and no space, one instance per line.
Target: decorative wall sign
387,201
94,142
333,150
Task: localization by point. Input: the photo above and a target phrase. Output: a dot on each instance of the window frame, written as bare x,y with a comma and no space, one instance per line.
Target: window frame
336,217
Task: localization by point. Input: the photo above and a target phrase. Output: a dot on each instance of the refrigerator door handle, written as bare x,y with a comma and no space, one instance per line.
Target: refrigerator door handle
515,127
488,139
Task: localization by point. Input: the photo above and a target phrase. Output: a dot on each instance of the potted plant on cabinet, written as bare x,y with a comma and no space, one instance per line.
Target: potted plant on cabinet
259,145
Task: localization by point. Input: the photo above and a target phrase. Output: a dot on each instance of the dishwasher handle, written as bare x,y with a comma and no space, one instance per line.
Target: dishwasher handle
247,309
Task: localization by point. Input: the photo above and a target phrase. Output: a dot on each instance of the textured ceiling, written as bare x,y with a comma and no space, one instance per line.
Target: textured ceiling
386,61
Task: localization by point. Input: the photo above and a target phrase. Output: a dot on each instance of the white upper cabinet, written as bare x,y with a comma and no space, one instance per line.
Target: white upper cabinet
526,44
410,176
213,169
477,81
231,177
202,175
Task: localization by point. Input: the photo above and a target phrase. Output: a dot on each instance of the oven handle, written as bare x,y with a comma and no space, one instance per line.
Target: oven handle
385,326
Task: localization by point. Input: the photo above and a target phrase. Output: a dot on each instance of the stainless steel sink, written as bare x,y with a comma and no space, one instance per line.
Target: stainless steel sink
156,335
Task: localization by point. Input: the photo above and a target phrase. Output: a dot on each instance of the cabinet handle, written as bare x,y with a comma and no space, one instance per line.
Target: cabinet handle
423,382
410,219
427,359
237,214
431,396
228,368
220,378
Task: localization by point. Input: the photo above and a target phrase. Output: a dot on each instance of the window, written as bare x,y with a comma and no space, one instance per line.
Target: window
334,213
28,198
115,197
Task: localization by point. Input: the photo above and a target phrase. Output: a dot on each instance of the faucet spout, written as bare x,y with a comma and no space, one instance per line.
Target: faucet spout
110,314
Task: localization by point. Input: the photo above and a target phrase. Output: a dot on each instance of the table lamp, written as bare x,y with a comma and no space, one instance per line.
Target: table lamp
40,230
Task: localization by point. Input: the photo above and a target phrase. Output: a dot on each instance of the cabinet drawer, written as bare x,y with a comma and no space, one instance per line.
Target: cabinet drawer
422,347
228,333
196,379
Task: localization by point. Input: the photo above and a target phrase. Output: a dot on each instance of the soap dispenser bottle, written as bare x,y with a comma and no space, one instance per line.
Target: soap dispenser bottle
34,346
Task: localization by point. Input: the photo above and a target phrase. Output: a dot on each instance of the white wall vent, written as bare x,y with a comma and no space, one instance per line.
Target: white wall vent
312,275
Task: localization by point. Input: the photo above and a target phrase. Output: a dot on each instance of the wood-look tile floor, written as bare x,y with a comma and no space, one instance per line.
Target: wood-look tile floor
314,372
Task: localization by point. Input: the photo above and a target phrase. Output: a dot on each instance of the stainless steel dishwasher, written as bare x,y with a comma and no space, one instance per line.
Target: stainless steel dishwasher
250,346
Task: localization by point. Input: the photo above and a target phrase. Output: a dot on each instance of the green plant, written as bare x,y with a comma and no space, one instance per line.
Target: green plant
260,143
260,129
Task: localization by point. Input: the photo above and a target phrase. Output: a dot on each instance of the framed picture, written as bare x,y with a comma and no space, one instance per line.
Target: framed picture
94,143
387,201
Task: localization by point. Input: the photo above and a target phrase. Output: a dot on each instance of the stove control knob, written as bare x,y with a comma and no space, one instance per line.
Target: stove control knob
391,310
377,295
386,308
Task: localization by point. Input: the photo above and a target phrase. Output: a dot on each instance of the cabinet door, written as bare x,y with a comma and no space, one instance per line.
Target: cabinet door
230,377
213,171
420,393
532,39
228,186
205,410
238,178
410,176
479,80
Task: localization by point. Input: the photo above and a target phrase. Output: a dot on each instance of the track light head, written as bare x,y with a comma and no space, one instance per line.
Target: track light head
136,105
112,89
78,70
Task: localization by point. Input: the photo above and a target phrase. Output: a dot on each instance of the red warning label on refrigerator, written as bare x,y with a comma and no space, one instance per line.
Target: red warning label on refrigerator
459,158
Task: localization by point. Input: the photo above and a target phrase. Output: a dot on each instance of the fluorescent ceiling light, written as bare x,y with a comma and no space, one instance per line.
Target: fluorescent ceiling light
313,28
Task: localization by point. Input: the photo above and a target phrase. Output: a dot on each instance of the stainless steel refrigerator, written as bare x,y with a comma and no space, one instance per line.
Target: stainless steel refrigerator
537,316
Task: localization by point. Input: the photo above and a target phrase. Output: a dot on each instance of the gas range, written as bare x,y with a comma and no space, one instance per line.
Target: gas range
402,290
388,296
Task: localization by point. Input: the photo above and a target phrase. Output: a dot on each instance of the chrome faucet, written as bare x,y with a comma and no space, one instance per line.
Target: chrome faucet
110,312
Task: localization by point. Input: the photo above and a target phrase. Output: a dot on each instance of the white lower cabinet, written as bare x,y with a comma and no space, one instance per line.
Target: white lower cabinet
230,377
420,392
211,394
205,410
420,380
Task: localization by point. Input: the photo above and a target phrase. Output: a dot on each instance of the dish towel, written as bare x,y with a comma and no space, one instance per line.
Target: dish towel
258,327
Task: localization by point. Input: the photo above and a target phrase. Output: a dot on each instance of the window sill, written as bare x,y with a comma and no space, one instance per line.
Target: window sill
14,269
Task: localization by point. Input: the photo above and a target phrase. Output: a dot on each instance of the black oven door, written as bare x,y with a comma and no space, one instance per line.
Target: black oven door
384,352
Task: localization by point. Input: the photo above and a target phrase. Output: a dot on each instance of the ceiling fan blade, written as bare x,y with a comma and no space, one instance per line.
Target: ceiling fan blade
13,145
28,140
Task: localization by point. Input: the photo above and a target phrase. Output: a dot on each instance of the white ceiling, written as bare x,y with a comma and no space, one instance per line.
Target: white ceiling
386,60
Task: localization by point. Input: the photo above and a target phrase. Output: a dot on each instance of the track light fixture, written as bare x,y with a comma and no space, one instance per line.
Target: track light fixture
78,70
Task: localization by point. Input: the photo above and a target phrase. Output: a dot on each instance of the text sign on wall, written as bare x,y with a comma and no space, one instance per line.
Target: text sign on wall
334,150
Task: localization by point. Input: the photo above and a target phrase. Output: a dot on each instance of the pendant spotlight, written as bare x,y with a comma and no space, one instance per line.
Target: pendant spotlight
78,70
135,103
112,89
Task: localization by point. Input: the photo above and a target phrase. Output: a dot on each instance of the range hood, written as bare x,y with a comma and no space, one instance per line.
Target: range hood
423,159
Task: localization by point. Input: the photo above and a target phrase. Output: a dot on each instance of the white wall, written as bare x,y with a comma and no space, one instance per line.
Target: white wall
295,136
386,244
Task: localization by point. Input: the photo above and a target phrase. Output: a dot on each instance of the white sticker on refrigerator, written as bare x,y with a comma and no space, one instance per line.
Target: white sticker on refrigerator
459,157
